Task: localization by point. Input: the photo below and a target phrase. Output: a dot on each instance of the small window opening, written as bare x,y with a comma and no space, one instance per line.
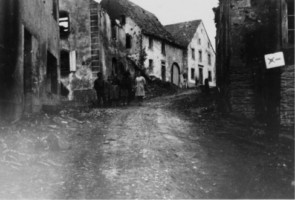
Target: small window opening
123,20
192,73
200,56
128,41
64,24
151,43
193,53
209,59
209,76
114,30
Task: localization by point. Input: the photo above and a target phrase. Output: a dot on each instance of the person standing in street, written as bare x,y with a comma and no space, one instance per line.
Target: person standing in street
99,86
139,88
125,85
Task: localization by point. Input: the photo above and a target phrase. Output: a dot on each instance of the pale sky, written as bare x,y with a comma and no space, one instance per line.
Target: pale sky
174,11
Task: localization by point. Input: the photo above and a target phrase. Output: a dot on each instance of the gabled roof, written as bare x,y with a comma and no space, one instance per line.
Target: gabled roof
147,21
183,32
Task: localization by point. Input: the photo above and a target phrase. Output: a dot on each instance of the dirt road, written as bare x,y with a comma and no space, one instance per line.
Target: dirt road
143,152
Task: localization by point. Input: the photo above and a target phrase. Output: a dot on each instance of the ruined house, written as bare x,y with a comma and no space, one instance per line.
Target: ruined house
147,44
247,30
199,55
91,42
29,56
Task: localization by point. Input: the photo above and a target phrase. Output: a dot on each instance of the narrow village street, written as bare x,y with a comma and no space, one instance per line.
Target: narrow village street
153,151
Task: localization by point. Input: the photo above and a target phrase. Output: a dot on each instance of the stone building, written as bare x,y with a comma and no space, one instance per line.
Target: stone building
200,55
29,56
147,44
246,32
91,42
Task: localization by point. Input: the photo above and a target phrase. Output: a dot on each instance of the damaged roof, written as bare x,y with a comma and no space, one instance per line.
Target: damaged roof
146,20
184,32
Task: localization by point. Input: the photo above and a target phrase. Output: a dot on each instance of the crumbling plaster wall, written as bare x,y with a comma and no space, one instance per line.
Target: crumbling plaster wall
172,55
194,63
36,17
78,40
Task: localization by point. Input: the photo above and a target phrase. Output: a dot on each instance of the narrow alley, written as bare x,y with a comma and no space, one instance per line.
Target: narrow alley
146,152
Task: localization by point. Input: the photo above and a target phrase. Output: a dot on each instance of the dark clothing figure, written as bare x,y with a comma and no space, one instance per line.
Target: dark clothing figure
206,87
126,88
99,86
107,91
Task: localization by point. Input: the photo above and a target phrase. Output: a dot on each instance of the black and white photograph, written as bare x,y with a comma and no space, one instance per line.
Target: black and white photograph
147,99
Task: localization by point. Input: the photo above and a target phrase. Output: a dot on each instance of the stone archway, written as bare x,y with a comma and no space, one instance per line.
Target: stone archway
175,74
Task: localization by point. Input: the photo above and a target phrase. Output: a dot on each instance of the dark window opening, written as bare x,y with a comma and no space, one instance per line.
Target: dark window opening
128,41
123,19
163,48
199,41
114,30
64,63
209,59
51,73
192,73
151,63
163,70
291,16
201,79
200,56
151,43
193,53
209,76
64,24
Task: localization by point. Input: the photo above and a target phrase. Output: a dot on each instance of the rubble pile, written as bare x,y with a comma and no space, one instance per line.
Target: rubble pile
158,87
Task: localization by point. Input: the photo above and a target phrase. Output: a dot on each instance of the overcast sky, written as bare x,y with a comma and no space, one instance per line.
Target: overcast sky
174,11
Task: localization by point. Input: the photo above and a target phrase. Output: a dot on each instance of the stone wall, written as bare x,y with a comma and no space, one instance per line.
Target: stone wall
31,26
243,38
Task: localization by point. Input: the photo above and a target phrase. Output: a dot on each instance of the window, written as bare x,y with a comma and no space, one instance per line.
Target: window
151,43
290,13
114,30
192,73
123,20
209,76
163,48
200,56
163,70
199,41
64,24
208,45
209,59
151,65
128,41
193,53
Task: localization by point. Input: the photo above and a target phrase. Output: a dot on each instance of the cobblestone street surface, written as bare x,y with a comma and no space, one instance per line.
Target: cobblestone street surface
151,151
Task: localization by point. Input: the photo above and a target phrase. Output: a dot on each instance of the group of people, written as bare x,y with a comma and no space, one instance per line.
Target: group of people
116,91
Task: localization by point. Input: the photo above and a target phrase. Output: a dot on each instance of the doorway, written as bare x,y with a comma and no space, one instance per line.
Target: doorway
163,70
201,77
27,74
175,74
51,74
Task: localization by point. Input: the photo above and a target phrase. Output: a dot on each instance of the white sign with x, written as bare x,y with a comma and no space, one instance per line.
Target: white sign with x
274,60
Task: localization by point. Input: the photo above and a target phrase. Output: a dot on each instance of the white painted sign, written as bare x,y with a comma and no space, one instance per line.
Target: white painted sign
274,60
73,66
